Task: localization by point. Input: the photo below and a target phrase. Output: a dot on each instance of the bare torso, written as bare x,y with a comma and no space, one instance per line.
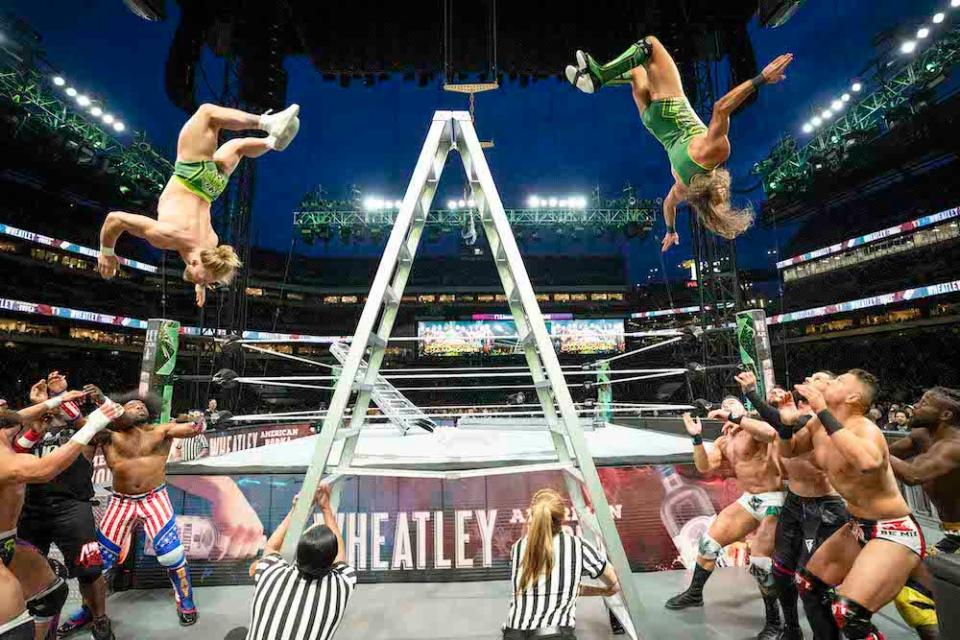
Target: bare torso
11,493
944,491
805,478
872,495
138,459
753,462
188,217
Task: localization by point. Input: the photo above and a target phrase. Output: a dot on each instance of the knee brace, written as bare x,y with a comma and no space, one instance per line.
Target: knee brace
854,620
916,606
167,545
709,548
760,569
813,588
109,552
46,605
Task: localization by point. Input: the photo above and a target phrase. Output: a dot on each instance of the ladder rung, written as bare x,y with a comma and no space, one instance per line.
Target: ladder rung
363,386
543,384
405,253
391,298
376,341
500,255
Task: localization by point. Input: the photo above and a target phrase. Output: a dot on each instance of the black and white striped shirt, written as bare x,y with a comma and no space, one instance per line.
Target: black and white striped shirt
288,605
552,600
192,448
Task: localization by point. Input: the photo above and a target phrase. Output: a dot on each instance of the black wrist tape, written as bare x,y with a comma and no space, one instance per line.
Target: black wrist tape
758,81
829,421
697,439
671,229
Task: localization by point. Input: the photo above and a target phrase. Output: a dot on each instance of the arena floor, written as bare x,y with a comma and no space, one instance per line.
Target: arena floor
469,610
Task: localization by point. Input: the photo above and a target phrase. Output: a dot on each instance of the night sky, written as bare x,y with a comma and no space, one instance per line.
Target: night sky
550,139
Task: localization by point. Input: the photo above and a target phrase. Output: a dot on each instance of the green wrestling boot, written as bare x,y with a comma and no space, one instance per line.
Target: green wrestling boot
588,75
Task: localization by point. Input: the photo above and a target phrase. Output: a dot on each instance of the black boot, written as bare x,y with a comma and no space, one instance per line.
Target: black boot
615,625
102,629
693,596
791,633
771,630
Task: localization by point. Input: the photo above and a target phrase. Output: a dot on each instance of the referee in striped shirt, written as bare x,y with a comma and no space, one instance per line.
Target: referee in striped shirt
547,567
304,601
193,448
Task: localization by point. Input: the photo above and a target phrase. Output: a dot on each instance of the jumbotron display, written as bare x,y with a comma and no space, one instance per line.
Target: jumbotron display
498,337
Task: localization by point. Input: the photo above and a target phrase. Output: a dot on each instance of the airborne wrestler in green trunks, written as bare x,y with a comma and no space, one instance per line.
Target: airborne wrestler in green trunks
200,175
695,150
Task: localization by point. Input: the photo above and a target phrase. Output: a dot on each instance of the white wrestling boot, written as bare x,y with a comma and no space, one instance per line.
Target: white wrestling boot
282,126
579,76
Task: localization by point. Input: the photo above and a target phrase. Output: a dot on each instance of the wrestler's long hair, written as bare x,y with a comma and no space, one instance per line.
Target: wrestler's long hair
546,517
709,195
221,262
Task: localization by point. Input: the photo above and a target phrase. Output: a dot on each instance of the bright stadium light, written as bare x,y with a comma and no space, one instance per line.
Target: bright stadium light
825,114
96,112
938,17
471,203
553,202
845,97
955,3
923,32
451,204
461,203
563,204
543,202
368,203
83,101
107,118
119,126
581,202
856,86
57,80
816,121
808,128
71,92
533,202
836,105
908,46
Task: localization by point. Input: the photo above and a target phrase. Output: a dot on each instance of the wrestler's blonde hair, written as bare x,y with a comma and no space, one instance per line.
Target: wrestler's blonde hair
221,262
546,517
715,211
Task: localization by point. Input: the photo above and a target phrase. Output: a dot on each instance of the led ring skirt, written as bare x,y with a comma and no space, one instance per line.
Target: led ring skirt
436,492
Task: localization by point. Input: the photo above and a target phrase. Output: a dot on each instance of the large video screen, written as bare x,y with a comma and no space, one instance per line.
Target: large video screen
498,337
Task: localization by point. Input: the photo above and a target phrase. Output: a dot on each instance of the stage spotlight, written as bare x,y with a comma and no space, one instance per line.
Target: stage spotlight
808,128
955,3
533,202
544,202
71,92
83,101
96,112
461,203
581,202
471,203
397,204
562,203
108,118
119,126
552,202
923,32
369,204
57,80
845,97
836,105
451,204
816,121
908,46
938,17
856,86
825,114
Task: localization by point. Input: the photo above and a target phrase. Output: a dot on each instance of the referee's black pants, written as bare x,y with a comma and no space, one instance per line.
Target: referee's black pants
547,633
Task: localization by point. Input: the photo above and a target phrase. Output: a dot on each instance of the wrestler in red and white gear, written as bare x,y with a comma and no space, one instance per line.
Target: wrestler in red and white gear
31,592
862,566
136,452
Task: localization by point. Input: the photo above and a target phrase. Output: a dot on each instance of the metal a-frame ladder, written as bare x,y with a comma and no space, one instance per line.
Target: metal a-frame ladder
453,130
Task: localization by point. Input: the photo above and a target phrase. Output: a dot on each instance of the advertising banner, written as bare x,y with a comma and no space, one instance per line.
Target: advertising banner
408,529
